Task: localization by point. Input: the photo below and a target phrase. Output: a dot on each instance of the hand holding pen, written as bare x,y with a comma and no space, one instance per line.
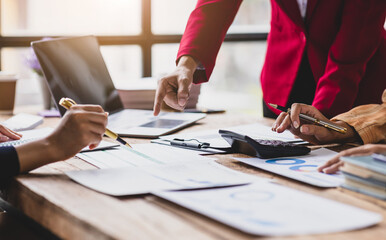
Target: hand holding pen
67,103
310,124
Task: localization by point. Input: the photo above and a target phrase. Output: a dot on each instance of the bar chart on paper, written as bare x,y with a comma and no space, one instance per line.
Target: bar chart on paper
302,168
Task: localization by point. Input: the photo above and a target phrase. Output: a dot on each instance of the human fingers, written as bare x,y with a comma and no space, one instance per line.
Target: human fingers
81,116
89,108
9,134
335,163
16,133
81,122
171,98
97,128
278,121
329,163
296,109
184,85
95,141
364,150
93,146
334,167
91,140
98,118
3,138
160,95
320,133
286,123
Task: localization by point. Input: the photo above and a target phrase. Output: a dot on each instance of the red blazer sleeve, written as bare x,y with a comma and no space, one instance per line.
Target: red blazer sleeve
359,36
205,32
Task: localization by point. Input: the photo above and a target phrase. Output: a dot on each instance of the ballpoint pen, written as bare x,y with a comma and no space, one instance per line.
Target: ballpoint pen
312,119
68,102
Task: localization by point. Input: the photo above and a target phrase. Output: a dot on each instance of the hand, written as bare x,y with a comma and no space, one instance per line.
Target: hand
174,88
335,163
81,126
7,134
312,133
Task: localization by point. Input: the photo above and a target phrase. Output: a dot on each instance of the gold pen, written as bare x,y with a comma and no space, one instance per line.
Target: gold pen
68,102
312,119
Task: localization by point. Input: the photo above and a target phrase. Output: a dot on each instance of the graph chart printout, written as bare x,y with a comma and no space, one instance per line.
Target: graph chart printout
133,180
269,209
303,168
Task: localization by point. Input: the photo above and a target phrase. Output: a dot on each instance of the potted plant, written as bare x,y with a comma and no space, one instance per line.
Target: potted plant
33,63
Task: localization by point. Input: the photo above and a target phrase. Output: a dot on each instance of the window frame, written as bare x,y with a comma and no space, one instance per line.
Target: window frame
146,39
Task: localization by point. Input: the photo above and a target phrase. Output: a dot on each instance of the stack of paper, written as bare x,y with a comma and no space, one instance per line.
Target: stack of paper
366,175
138,94
193,96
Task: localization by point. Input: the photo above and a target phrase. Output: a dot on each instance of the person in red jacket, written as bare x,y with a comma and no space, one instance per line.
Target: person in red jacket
328,53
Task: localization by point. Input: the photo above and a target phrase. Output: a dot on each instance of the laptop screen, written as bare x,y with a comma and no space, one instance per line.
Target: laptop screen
74,68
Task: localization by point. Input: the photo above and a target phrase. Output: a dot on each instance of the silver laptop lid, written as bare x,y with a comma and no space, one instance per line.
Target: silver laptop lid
74,68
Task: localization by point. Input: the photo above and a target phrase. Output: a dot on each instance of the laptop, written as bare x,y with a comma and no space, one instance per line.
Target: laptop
74,67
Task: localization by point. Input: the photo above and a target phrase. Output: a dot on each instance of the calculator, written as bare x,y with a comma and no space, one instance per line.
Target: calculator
262,148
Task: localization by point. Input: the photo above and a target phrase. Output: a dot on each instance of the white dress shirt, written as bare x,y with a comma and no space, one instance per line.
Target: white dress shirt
302,7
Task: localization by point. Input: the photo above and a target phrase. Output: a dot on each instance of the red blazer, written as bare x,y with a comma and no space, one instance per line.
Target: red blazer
345,43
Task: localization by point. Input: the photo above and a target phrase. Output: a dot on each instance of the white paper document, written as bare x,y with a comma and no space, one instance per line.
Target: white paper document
303,168
134,180
23,121
35,134
138,156
272,210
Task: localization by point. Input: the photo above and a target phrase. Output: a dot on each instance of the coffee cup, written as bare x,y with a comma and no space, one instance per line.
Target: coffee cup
7,92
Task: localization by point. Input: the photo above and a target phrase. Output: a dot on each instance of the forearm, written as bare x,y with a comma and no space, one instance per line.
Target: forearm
187,62
205,32
368,121
36,154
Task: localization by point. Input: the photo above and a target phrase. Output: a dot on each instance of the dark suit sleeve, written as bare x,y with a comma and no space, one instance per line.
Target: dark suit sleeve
9,163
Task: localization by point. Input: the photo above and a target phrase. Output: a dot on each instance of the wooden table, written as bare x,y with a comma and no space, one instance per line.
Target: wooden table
72,211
